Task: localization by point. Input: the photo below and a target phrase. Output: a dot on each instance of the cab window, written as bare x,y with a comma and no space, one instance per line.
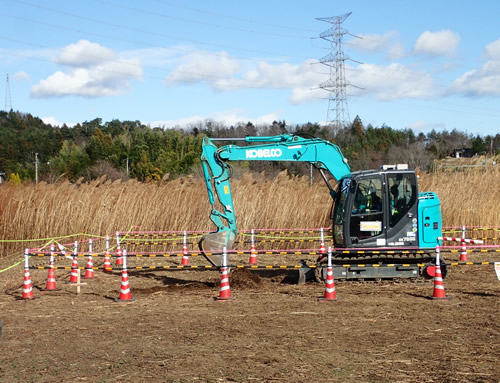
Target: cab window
402,195
367,213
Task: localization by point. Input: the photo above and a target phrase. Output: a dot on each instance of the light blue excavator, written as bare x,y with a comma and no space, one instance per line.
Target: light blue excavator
379,210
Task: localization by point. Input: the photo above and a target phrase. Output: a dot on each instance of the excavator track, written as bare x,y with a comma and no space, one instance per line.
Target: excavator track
377,267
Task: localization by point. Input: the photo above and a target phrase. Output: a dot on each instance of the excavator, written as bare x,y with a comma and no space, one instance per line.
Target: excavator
378,216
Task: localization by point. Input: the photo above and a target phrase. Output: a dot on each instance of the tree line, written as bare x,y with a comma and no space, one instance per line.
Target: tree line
130,149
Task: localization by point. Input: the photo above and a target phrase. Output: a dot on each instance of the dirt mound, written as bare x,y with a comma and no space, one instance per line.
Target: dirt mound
243,278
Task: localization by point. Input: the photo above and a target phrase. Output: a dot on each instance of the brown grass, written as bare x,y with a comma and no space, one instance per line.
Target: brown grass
32,211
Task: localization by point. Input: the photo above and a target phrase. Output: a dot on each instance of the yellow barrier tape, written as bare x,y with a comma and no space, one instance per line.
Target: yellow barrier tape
50,238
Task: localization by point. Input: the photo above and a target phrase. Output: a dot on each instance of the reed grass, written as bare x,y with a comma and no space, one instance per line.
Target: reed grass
29,211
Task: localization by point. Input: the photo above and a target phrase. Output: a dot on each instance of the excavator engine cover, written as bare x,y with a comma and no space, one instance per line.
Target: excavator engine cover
212,245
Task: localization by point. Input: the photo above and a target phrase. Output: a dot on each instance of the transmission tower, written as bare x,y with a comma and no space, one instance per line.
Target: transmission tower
8,100
337,115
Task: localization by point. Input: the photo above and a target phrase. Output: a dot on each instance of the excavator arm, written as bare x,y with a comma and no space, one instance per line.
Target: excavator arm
217,170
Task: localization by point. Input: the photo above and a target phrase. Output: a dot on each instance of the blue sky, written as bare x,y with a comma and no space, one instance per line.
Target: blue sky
422,65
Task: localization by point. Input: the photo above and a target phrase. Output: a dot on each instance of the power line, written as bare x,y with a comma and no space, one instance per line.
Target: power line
143,31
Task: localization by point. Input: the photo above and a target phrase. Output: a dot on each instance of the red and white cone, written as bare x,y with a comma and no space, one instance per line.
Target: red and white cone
125,295
185,258
330,291
27,285
463,253
119,254
89,271
107,261
51,279
438,292
225,289
253,252
322,250
74,266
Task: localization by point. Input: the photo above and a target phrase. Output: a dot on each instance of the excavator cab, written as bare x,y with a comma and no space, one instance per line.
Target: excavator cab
376,208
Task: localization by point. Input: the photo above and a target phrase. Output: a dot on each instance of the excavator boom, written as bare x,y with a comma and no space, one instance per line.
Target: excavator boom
322,154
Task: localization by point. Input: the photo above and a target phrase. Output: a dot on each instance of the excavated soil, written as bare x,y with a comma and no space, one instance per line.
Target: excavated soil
272,331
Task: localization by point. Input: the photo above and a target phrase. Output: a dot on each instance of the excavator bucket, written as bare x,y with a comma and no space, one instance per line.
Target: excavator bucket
212,245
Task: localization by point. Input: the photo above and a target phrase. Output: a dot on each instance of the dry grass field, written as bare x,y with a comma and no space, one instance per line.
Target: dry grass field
471,197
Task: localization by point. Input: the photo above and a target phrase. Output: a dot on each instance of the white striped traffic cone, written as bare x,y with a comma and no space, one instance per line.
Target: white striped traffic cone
225,289
27,285
438,291
125,295
330,291
185,258
253,253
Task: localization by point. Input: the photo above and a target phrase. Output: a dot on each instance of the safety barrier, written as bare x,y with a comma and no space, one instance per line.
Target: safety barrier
126,239
463,249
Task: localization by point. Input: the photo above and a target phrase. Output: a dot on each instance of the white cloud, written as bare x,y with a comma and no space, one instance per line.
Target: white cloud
422,126
392,82
442,43
484,81
229,117
374,43
21,76
203,66
54,122
224,73
492,50
94,71
85,54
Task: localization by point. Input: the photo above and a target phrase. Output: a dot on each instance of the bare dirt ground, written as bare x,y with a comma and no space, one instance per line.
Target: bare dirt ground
272,331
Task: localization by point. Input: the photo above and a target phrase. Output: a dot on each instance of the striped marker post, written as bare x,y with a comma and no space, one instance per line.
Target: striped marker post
225,289
27,285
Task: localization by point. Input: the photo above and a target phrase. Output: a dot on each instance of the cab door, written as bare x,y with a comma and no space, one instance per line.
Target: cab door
402,229
366,210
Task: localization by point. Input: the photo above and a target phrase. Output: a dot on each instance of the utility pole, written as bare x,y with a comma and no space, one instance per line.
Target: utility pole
127,166
36,167
337,115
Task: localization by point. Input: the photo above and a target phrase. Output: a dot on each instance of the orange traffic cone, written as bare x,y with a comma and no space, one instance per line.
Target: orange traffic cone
225,289
89,271
74,266
51,279
438,292
107,262
253,253
464,257
330,292
119,255
27,285
125,295
322,250
185,258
